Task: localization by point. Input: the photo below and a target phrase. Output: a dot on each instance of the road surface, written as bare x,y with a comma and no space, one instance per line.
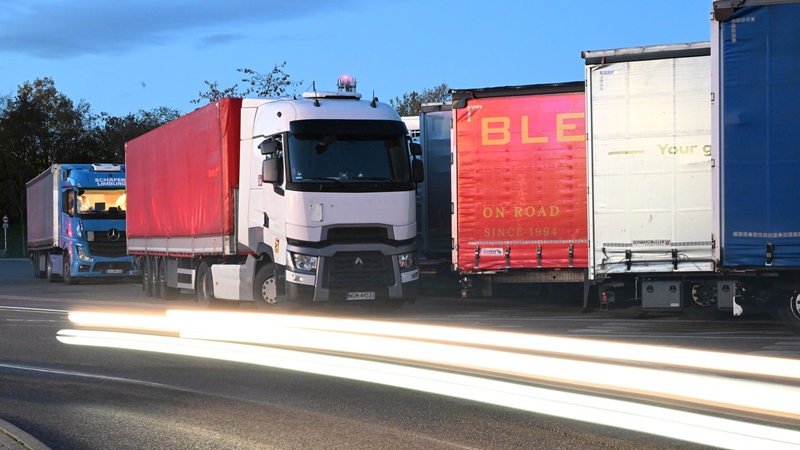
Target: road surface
69,386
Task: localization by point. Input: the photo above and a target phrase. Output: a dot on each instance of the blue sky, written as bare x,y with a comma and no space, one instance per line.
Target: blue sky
124,56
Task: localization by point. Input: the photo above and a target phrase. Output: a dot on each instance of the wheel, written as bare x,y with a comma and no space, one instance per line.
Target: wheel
153,274
265,286
704,303
144,275
204,286
161,289
35,261
703,295
789,312
51,277
67,273
159,279
147,276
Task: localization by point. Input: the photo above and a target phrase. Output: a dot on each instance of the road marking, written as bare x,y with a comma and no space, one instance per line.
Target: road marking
21,297
41,310
71,373
126,302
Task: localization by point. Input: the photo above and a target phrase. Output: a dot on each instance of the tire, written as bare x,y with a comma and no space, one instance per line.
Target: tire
153,274
204,286
35,263
265,287
703,303
159,283
67,273
704,296
161,289
51,277
789,312
147,276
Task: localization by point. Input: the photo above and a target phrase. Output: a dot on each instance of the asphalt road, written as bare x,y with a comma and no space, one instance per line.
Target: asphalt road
87,397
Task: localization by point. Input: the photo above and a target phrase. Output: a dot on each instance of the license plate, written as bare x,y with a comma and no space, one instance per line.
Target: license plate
114,271
355,296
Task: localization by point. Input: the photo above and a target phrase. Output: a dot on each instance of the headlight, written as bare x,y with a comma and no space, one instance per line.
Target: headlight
408,261
302,263
82,256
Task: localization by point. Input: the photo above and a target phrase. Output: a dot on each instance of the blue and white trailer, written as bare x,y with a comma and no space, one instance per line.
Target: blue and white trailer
756,152
76,223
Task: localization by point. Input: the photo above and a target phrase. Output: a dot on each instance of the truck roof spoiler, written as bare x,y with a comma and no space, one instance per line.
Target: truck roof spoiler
106,168
337,95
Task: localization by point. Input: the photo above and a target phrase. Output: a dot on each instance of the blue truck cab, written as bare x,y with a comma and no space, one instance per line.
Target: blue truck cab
88,223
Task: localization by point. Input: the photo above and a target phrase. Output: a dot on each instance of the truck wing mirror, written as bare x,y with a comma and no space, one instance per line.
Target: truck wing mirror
416,149
269,168
269,146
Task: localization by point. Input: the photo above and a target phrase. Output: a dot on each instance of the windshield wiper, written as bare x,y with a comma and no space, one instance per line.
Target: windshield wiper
319,179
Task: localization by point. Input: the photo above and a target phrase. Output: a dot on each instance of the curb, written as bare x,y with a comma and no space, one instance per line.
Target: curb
12,437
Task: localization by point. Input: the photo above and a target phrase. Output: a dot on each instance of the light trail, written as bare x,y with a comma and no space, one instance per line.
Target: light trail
224,322
524,357
692,427
780,367
445,346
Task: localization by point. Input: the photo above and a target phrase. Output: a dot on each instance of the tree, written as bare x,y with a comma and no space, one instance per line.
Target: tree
38,127
214,93
272,84
410,103
109,133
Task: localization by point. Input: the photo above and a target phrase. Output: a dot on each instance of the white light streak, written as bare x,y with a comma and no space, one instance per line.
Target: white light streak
698,428
507,354
729,362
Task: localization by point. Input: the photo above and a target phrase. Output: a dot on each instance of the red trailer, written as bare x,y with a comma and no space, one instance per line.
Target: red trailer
181,183
519,185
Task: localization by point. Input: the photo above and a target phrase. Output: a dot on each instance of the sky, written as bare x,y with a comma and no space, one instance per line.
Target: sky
126,56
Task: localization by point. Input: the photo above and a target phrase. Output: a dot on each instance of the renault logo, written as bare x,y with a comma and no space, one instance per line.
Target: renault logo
358,261
113,234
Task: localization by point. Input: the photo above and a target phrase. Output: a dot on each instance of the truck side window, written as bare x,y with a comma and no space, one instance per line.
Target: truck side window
68,203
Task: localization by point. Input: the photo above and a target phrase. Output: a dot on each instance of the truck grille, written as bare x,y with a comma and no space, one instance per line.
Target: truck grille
359,271
109,244
358,234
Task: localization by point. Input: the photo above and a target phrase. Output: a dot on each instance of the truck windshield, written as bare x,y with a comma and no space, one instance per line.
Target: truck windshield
348,162
101,203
